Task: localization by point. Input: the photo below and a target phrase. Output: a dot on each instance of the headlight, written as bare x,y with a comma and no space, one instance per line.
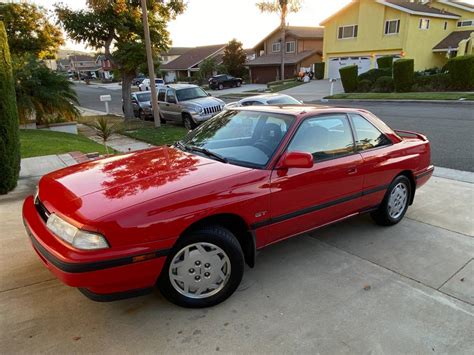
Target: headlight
74,236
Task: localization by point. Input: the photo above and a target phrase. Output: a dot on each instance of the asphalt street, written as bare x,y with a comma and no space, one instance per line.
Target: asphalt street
449,127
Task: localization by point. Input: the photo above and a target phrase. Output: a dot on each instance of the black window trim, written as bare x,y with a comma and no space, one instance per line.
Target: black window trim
358,150
323,115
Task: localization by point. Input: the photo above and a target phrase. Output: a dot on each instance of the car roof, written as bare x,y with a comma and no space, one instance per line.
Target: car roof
181,86
302,111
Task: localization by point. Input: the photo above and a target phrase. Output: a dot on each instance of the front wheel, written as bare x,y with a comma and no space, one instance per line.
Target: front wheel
221,87
239,84
395,203
189,123
204,268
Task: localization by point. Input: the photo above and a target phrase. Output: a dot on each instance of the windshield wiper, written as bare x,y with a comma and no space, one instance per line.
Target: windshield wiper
180,145
207,152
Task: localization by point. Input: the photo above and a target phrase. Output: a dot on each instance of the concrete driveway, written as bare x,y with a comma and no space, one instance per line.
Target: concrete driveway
315,90
350,288
246,87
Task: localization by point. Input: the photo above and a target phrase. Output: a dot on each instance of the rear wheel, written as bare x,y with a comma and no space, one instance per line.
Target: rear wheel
395,203
221,86
239,84
141,115
204,268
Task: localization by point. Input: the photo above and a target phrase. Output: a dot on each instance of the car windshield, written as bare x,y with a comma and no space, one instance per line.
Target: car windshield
246,138
144,97
190,94
283,100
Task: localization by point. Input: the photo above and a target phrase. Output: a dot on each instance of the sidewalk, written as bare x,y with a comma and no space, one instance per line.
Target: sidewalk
315,90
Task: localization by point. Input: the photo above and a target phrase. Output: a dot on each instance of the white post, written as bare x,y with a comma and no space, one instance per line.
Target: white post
332,87
106,107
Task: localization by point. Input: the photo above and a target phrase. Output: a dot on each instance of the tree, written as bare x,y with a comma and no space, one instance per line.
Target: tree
9,132
117,24
207,67
234,58
282,8
29,30
104,130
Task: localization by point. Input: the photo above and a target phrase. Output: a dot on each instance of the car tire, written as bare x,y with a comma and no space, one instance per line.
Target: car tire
162,120
212,268
141,115
189,122
239,84
395,203
220,87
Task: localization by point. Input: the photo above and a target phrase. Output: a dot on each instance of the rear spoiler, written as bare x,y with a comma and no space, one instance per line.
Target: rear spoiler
409,134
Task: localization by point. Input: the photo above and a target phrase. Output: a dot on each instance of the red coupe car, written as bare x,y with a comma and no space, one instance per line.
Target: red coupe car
187,217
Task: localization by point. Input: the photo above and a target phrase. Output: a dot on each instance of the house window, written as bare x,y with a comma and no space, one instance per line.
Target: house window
290,47
392,27
424,24
466,23
347,32
276,47
445,25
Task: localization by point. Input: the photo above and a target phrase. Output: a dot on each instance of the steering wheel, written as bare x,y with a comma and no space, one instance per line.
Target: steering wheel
263,145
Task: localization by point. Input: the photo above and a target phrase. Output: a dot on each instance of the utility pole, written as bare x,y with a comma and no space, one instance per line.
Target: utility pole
151,66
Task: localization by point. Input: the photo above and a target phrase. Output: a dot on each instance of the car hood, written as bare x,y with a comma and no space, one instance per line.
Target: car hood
203,102
92,190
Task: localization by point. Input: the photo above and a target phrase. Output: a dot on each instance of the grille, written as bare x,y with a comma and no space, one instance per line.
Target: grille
42,211
212,109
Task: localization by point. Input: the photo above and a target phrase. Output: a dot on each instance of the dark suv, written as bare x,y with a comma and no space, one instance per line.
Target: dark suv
222,81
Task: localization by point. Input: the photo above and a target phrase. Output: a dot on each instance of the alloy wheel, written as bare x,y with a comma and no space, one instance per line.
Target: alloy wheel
397,200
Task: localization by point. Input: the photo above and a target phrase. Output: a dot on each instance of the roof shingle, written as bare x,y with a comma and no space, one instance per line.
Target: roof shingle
192,57
420,8
452,40
275,59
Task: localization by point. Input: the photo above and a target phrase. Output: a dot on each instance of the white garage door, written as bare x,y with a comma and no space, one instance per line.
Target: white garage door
336,63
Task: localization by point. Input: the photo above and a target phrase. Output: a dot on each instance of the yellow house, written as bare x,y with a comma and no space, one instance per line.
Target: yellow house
428,31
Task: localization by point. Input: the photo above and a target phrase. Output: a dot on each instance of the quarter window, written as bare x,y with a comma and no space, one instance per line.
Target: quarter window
276,47
424,24
290,47
367,135
347,31
161,95
392,27
170,96
466,23
324,137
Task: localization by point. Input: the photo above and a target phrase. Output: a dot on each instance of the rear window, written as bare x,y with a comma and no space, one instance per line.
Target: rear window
283,101
367,135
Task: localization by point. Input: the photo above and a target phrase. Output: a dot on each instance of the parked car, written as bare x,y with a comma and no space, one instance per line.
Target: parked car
138,80
187,104
141,103
222,81
145,85
265,99
187,217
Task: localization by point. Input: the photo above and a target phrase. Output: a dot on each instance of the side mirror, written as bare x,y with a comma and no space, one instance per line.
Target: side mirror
296,160
209,94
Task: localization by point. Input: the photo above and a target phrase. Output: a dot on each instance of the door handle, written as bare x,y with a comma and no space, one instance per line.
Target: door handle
352,171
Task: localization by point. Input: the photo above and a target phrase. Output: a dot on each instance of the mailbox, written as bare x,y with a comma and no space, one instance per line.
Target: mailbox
105,98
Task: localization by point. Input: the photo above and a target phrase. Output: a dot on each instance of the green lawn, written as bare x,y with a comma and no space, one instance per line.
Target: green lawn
285,85
166,134
37,142
404,96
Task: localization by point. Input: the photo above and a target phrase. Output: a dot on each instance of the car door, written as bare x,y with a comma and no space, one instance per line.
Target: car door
302,199
379,167
162,103
172,107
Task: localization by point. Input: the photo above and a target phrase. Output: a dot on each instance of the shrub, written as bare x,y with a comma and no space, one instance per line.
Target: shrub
403,74
384,84
427,72
385,62
319,70
461,71
364,85
437,82
374,74
349,78
9,132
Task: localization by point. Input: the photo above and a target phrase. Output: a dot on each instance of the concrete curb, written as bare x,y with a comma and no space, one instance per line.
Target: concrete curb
453,174
442,102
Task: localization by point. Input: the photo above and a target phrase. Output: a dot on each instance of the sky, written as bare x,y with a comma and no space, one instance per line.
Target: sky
208,22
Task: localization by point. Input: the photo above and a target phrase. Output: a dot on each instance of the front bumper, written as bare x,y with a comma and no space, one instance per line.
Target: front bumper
202,118
104,278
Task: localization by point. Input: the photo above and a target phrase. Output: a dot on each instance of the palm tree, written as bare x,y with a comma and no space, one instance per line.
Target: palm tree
104,130
282,8
42,93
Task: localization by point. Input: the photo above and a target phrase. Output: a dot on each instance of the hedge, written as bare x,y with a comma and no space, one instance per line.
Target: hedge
437,82
364,85
9,130
374,74
349,78
461,71
384,84
385,62
319,70
403,74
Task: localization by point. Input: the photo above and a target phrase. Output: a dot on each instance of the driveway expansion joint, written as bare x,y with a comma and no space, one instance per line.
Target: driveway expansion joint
457,272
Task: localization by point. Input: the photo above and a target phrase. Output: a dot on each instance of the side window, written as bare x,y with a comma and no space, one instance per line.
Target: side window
170,96
161,95
367,135
325,137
